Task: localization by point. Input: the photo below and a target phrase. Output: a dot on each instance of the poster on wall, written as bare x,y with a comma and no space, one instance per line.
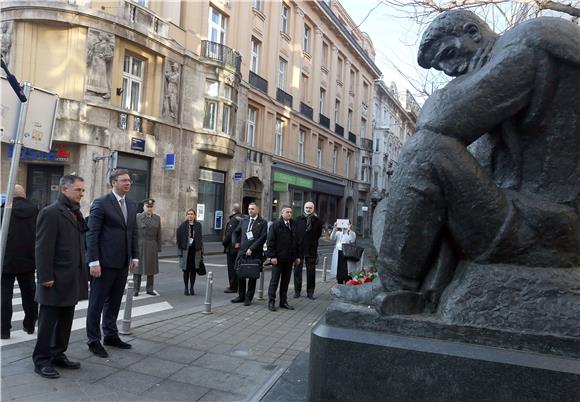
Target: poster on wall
200,211
218,220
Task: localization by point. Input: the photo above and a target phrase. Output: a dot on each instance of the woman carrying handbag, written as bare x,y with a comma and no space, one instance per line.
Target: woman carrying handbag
190,245
340,267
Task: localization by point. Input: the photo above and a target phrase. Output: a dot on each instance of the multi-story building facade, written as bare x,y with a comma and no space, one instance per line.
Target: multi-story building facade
157,87
394,123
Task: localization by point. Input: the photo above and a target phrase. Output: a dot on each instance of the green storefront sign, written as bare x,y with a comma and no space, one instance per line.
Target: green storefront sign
286,178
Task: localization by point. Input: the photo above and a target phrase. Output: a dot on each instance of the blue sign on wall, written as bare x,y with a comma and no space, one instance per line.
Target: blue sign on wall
170,161
238,176
137,144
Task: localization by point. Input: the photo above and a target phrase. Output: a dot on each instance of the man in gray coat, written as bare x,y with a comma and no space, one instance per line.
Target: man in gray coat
149,228
62,279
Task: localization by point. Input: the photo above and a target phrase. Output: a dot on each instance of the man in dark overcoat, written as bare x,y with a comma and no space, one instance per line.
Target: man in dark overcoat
253,232
309,230
229,242
282,251
149,229
19,264
112,248
61,275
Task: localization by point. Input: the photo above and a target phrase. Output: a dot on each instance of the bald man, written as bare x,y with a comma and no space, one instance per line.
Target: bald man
19,263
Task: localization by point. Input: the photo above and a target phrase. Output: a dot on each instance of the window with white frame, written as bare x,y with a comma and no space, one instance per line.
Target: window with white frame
306,42
301,139
226,119
322,101
349,120
228,92
255,56
334,157
347,165
258,4
319,155
282,69
251,126
284,18
337,111
217,26
377,143
278,137
363,128
339,69
212,87
132,83
210,117
325,53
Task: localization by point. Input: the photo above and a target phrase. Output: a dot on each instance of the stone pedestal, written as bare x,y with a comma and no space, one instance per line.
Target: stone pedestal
359,365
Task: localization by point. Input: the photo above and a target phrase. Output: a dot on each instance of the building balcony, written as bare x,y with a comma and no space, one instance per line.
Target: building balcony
352,137
258,82
221,53
366,144
338,129
284,97
306,110
324,121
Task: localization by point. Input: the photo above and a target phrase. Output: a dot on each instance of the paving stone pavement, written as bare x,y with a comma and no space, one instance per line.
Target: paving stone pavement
230,355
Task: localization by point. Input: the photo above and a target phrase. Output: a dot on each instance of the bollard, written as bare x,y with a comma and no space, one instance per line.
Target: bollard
324,269
208,292
126,322
261,288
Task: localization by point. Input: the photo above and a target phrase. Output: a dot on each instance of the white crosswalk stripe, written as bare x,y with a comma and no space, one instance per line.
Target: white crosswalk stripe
142,305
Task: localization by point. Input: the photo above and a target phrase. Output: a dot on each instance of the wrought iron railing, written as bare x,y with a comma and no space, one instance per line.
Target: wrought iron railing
366,144
352,137
338,129
306,110
218,52
283,97
323,120
258,82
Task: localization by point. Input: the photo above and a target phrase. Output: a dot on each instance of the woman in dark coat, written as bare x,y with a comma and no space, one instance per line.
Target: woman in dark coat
190,245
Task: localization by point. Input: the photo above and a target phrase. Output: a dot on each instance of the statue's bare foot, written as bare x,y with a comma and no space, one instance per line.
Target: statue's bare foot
358,294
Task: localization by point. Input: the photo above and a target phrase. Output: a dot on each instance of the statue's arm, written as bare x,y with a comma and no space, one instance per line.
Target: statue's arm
473,104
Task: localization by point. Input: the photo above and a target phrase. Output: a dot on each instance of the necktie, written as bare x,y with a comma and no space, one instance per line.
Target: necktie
251,224
123,208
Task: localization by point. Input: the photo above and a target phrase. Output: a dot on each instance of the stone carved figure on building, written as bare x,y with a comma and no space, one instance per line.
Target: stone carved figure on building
100,53
482,222
7,28
170,104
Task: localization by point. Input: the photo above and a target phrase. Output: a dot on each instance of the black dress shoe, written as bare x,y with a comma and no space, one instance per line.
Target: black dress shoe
98,349
228,290
5,336
29,331
64,362
311,297
237,300
116,342
296,295
135,294
152,293
191,292
286,306
271,306
186,292
47,372
247,302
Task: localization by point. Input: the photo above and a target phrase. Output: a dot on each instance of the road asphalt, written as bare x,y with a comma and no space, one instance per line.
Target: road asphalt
236,353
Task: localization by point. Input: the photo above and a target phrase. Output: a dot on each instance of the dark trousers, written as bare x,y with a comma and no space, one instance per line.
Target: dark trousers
232,277
310,275
54,326
280,273
148,286
249,295
341,269
105,299
189,277
27,291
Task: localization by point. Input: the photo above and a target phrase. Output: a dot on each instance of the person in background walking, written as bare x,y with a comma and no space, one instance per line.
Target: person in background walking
112,249
252,232
230,241
62,280
308,230
149,229
190,245
340,266
282,251
19,263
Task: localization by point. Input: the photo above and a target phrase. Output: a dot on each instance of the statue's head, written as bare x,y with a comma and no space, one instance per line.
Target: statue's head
452,40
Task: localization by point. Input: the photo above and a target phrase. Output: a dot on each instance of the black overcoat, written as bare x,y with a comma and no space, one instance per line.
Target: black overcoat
19,254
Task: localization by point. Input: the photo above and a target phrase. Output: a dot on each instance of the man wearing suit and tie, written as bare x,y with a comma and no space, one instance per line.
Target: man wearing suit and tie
252,233
112,247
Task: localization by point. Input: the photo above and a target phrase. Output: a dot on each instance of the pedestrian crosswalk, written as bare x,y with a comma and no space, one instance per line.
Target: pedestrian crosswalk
142,305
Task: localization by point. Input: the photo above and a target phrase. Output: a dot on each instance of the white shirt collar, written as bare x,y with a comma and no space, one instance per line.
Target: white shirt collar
118,197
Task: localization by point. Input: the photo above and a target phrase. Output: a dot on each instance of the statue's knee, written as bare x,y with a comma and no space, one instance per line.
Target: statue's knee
429,146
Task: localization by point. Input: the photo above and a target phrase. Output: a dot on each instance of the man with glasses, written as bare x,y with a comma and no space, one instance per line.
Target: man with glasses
112,248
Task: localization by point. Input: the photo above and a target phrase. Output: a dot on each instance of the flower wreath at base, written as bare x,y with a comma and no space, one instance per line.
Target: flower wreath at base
365,275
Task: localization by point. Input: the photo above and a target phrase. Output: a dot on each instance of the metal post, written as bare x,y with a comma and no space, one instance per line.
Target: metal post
324,269
126,322
208,292
13,169
261,287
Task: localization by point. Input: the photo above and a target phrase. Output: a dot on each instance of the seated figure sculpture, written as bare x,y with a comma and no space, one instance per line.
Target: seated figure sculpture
492,175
